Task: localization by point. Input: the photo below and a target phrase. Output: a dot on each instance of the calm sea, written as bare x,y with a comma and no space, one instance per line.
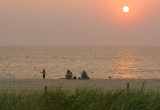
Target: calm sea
98,62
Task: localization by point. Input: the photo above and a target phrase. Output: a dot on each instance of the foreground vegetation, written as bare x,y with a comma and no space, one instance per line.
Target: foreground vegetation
80,99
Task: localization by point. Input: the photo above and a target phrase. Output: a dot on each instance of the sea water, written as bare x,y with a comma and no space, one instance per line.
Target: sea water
99,62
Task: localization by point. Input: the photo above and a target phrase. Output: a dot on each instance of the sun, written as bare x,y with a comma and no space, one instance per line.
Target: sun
125,9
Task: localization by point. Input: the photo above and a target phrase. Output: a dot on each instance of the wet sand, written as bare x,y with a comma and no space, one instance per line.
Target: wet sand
106,84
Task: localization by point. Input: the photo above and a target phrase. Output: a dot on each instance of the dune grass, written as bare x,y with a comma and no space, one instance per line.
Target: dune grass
80,99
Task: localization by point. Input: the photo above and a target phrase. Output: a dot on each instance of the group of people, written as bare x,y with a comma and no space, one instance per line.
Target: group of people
69,75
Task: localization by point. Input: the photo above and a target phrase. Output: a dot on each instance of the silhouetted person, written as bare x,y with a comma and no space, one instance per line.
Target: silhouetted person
44,73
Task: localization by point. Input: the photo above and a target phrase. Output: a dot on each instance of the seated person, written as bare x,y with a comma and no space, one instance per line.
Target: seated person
69,75
84,75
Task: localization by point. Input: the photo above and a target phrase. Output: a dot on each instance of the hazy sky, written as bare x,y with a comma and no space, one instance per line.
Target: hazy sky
79,22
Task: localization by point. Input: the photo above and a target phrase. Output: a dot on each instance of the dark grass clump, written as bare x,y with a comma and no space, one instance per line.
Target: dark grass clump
80,99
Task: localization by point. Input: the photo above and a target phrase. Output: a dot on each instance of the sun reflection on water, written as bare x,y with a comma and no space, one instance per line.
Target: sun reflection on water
126,64
126,76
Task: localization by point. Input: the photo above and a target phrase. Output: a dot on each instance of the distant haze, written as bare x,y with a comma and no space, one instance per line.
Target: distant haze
79,22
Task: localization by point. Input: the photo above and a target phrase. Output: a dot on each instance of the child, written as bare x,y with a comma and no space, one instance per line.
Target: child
44,73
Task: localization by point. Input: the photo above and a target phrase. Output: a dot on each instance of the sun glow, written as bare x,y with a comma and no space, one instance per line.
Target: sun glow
125,9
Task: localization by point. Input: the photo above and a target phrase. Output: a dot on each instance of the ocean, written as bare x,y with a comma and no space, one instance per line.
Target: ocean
99,62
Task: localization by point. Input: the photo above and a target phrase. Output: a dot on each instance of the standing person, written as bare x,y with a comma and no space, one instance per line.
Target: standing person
84,75
69,75
44,73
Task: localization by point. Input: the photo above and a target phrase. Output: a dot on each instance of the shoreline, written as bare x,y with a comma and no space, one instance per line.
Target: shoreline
106,84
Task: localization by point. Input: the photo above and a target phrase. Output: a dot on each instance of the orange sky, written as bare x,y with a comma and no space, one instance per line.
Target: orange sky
79,22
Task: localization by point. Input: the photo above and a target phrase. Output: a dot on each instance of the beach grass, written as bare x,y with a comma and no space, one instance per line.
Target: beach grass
80,99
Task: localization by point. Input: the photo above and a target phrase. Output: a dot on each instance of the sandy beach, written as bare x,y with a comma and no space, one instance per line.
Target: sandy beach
106,84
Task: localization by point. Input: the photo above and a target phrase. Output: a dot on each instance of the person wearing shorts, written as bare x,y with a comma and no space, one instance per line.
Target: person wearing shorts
43,73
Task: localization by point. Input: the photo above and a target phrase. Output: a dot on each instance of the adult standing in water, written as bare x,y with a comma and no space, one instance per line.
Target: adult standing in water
44,73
